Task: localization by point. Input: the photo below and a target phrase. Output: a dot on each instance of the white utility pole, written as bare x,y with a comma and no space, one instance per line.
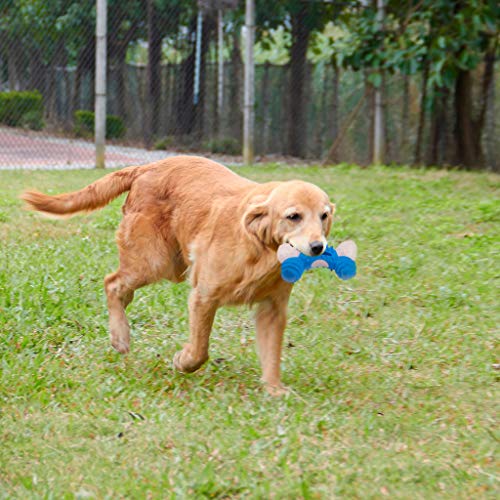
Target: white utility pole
197,61
248,110
378,125
100,82
220,50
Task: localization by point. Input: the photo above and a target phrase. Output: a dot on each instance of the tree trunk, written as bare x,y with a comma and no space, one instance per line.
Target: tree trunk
298,67
434,132
379,144
68,98
421,119
335,102
320,117
14,64
77,85
467,130
332,152
405,120
491,138
37,70
185,106
370,113
85,64
265,129
387,145
58,59
329,117
190,116
438,127
120,75
235,108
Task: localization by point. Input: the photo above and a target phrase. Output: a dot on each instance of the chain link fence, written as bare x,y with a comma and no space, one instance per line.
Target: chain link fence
168,90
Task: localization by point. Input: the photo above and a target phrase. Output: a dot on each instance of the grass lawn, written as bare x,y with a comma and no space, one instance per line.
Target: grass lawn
392,374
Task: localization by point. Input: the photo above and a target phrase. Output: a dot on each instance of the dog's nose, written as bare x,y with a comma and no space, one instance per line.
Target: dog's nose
316,247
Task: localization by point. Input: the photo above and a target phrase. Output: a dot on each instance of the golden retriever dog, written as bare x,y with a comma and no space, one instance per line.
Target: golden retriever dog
190,217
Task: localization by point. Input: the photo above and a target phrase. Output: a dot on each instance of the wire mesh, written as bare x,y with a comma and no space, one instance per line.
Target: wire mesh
168,89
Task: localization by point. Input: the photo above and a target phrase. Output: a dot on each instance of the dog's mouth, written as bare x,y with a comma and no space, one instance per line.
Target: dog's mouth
307,251
289,242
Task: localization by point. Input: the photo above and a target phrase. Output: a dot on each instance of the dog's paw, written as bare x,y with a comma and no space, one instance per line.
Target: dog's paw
185,363
123,347
276,390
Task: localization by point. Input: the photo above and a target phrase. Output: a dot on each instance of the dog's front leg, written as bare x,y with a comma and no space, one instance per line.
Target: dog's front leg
201,317
270,324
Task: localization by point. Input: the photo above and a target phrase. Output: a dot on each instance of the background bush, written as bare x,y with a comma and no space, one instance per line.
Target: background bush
22,109
33,120
224,145
85,120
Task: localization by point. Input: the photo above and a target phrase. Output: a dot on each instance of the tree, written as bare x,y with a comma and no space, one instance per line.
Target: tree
301,18
446,40
125,24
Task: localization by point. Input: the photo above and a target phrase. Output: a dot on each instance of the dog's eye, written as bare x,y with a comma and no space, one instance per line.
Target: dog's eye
295,217
324,216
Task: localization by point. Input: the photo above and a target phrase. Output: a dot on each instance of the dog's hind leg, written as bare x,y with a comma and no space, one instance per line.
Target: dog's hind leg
119,295
145,257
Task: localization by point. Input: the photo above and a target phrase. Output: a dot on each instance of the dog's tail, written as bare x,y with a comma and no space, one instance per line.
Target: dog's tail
94,196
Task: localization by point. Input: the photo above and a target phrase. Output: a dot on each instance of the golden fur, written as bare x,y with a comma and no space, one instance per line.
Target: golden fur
190,217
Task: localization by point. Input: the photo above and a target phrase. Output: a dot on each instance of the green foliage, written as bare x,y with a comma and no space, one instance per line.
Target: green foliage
115,128
273,47
271,15
84,125
458,37
22,109
37,26
33,120
165,143
224,145
393,375
446,35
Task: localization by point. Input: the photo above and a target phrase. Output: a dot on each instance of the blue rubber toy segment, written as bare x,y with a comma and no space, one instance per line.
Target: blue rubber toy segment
346,268
292,269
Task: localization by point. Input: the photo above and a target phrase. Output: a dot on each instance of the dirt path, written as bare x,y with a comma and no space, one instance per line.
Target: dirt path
25,150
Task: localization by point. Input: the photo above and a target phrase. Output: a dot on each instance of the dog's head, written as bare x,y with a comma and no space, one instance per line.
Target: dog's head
295,212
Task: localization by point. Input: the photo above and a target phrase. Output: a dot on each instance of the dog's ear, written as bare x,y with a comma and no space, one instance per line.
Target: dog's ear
257,222
330,219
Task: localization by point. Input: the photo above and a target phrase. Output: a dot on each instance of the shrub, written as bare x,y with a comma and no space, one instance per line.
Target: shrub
165,143
14,106
33,120
85,120
84,123
114,127
226,145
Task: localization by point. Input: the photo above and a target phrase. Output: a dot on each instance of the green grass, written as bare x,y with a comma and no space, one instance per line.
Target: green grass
392,374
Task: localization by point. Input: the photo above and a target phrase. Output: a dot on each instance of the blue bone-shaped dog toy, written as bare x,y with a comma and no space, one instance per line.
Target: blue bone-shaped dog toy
294,263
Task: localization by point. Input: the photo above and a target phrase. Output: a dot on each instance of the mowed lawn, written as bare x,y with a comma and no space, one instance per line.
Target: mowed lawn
393,374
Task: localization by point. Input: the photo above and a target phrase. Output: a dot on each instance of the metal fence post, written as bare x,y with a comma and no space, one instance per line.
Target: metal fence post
220,68
197,61
248,110
100,83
